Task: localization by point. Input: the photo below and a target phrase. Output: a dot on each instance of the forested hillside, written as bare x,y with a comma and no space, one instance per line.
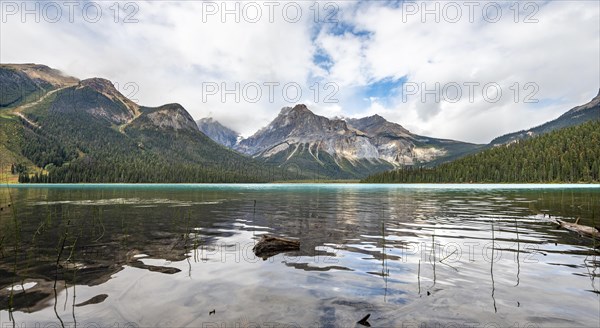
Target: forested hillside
575,116
55,128
87,131
99,153
568,155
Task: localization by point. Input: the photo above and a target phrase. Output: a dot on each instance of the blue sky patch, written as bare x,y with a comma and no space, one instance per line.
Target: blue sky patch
322,59
385,89
342,28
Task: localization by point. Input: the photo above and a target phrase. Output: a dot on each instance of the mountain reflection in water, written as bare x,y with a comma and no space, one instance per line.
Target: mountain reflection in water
168,255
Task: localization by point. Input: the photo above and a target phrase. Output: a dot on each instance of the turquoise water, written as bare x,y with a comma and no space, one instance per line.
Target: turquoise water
408,255
310,186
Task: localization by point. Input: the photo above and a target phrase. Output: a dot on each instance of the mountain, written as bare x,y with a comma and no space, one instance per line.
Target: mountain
87,131
397,145
170,117
566,149
336,148
217,132
314,146
98,98
575,116
56,128
571,154
22,83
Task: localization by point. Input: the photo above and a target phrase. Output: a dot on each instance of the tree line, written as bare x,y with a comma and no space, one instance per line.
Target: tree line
74,148
569,155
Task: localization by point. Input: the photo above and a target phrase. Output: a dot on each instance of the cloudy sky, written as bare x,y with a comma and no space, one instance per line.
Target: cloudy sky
463,70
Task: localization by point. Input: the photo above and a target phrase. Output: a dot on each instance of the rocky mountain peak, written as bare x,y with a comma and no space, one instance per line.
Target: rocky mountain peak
376,125
218,132
294,125
377,118
301,108
43,73
299,134
373,120
97,97
98,84
170,116
296,112
107,89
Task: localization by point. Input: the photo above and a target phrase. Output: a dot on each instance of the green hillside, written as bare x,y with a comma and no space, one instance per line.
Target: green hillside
568,155
89,132
575,116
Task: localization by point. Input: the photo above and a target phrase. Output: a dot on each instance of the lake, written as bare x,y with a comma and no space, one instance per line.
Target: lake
408,255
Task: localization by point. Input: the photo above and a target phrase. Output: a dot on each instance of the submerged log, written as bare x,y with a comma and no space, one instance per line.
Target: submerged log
580,229
269,246
94,300
365,321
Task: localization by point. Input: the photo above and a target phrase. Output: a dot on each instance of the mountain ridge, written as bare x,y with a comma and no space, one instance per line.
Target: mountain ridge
563,155
87,131
370,142
574,116
60,128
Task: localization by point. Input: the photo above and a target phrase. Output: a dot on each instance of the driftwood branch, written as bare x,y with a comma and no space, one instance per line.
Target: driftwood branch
365,321
269,246
583,230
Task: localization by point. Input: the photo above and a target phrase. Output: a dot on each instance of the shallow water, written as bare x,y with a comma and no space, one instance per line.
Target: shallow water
408,255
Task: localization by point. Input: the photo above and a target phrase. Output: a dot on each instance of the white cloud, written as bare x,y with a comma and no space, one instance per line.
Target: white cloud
559,54
170,52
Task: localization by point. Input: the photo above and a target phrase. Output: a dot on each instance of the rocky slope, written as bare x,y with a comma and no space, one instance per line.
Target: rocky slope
298,125
97,97
355,146
27,82
396,144
167,117
218,132
42,74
